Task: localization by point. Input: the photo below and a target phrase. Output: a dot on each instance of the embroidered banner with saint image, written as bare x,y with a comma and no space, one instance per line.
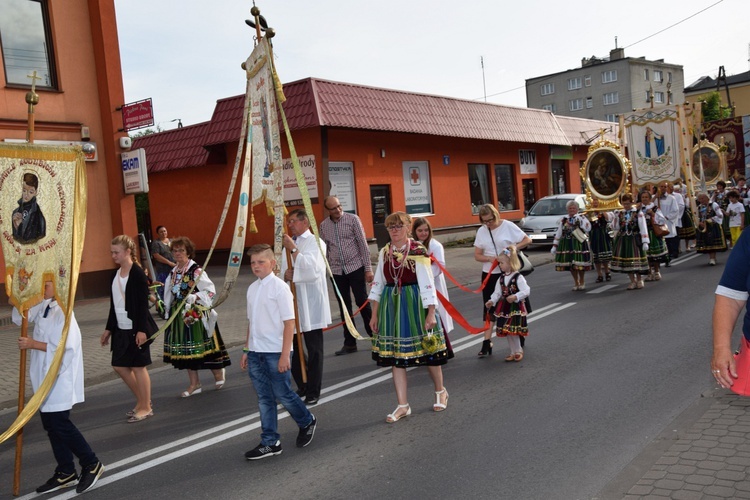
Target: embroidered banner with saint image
652,137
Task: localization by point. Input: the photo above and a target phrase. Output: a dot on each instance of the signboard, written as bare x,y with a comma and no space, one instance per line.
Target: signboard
527,160
417,187
292,195
137,114
341,180
89,156
134,171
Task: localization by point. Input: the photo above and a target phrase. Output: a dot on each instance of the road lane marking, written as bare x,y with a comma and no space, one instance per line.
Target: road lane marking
251,422
602,289
685,259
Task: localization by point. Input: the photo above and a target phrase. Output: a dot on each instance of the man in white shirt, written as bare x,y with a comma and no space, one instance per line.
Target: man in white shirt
671,210
308,273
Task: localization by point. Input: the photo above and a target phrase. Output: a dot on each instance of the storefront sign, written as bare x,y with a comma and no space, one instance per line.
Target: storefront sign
134,171
292,195
417,187
527,160
341,179
137,114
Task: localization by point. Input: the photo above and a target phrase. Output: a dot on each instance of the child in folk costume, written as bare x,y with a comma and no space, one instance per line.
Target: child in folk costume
601,242
571,246
686,228
510,293
720,197
630,243
709,234
736,212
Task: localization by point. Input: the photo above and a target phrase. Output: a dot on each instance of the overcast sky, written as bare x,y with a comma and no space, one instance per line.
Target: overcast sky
186,54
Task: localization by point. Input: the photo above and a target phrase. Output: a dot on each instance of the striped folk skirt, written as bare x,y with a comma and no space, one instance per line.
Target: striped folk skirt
628,256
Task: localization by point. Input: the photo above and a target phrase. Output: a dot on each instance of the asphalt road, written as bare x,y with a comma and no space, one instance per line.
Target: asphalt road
606,371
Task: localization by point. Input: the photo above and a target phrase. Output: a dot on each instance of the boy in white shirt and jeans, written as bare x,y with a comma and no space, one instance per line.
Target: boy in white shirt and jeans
268,353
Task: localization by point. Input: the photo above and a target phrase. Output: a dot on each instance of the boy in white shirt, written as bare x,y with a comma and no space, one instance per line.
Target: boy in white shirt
735,210
65,438
268,353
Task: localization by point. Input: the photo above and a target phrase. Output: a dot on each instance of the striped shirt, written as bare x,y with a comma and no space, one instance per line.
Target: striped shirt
347,246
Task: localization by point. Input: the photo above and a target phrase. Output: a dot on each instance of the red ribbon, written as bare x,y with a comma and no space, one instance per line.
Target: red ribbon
459,285
352,316
451,309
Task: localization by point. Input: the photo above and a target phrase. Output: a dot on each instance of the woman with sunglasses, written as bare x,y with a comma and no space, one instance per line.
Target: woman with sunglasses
494,236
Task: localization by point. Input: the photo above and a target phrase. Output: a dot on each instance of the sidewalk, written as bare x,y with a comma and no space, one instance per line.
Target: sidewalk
710,457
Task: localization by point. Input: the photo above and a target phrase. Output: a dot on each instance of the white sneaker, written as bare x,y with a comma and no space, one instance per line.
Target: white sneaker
712,262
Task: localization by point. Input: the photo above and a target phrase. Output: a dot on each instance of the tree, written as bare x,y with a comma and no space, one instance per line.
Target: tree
711,107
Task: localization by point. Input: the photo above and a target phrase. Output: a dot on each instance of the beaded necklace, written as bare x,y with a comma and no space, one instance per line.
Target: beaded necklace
397,270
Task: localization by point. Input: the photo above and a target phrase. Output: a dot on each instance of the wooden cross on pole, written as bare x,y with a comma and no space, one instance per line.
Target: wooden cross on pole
32,99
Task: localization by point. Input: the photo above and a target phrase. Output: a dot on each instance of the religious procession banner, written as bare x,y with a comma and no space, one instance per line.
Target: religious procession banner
42,222
654,148
728,135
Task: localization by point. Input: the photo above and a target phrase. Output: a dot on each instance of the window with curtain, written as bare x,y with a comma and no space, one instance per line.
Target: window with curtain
479,187
26,43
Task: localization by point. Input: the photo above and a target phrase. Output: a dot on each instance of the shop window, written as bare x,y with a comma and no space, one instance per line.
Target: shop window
26,43
506,188
479,186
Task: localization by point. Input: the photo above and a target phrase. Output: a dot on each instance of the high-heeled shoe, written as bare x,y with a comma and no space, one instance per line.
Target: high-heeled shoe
438,406
608,277
395,416
220,383
193,392
486,349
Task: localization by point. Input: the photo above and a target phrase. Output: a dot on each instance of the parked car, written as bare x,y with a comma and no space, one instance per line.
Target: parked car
541,222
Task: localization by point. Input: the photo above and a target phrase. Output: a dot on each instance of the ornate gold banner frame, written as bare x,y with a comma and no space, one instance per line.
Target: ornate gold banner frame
714,163
605,175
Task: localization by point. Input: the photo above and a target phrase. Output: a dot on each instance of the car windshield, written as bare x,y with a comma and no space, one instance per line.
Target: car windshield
549,207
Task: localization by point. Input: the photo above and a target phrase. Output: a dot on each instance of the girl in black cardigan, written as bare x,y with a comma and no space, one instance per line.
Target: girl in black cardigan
129,326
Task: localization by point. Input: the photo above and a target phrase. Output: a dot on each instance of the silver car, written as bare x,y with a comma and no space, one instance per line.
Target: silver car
541,222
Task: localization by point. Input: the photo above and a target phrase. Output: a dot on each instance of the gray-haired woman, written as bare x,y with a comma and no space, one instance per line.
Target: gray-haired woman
571,245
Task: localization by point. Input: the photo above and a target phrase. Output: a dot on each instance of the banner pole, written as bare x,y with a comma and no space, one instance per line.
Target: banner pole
300,350
21,403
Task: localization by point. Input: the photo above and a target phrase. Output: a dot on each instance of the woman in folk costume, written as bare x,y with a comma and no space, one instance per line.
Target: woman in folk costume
422,231
571,245
601,242
709,237
686,228
631,242
192,341
657,247
509,302
406,327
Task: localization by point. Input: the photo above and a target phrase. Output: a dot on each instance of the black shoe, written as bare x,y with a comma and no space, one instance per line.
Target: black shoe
486,349
311,400
668,264
346,350
59,481
89,476
263,451
301,392
306,434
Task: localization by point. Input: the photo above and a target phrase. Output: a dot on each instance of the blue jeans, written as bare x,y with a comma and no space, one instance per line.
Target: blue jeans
66,441
263,368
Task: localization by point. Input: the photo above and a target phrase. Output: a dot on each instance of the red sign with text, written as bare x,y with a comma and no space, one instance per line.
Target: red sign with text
137,114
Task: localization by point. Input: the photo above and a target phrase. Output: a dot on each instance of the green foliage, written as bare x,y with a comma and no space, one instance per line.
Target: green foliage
142,212
711,107
147,131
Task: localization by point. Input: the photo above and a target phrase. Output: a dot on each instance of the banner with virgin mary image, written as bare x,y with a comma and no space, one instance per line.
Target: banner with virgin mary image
42,222
652,137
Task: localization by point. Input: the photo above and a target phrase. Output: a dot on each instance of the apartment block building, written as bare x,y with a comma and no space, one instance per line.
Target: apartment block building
603,88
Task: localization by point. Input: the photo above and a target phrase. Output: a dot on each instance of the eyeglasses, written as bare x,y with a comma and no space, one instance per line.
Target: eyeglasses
179,250
487,221
395,227
334,209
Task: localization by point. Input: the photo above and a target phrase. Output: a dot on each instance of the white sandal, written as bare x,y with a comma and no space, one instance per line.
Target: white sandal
438,406
220,383
188,393
393,417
